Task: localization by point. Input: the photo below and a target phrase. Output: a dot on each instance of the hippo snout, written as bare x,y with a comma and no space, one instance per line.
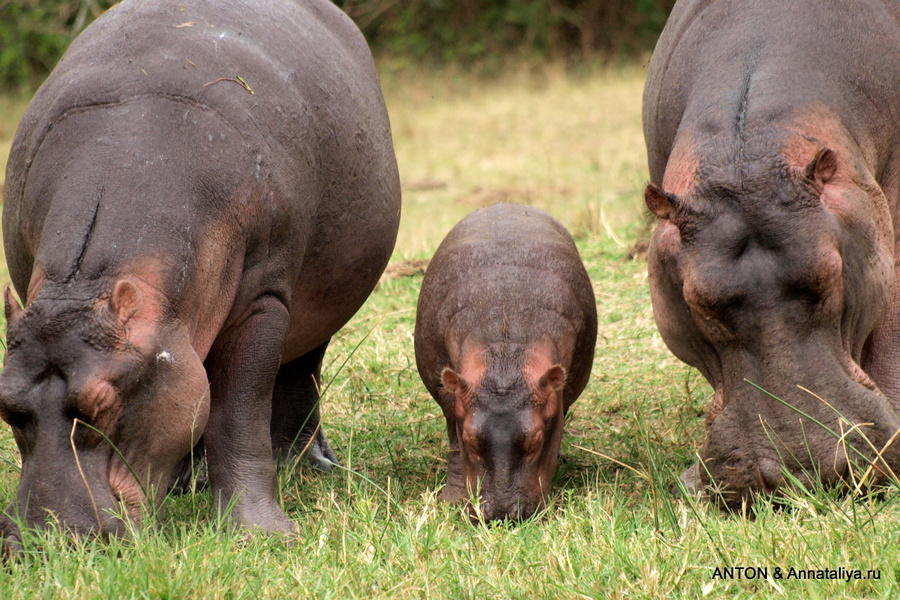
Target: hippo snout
506,509
775,448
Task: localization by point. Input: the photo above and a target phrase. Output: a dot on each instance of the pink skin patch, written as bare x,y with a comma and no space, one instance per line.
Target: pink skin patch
38,277
716,407
808,138
681,169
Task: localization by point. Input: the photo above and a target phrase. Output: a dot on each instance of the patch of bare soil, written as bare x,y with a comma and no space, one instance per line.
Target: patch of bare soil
424,185
406,268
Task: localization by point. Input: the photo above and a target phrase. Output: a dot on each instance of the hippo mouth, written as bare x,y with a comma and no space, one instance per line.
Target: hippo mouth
101,496
760,442
492,510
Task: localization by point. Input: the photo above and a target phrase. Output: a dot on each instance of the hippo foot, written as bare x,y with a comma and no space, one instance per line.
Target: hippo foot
317,453
10,548
189,475
268,524
690,482
10,538
264,516
320,455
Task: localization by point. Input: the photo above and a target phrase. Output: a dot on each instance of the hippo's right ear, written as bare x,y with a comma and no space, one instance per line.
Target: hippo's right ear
11,307
125,300
662,204
550,383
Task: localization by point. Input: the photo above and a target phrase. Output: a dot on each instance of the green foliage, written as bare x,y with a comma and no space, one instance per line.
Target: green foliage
466,31
35,33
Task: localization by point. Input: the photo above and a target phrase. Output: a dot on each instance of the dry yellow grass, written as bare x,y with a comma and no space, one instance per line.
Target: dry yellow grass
572,145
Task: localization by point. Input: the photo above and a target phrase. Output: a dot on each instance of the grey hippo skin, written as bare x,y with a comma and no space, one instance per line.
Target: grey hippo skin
183,247
773,131
505,334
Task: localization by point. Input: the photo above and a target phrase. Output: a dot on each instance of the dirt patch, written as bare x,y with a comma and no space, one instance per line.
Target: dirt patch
424,185
482,197
406,268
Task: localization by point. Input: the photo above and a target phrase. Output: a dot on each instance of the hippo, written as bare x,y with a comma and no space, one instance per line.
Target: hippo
771,130
198,197
505,332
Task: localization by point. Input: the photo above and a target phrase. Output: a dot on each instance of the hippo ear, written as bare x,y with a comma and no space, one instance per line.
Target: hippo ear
11,307
126,300
662,204
549,385
454,382
822,167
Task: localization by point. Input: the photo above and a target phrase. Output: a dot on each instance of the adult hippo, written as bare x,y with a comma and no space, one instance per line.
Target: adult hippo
197,199
505,333
772,131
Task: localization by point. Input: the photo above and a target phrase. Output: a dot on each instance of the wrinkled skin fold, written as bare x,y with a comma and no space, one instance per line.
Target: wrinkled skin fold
772,266
184,247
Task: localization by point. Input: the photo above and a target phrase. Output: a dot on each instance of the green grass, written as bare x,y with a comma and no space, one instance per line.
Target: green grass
571,144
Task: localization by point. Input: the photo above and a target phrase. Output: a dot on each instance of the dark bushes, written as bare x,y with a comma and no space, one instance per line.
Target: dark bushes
34,33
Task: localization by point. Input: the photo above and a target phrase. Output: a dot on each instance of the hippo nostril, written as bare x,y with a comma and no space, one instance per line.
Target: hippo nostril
770,475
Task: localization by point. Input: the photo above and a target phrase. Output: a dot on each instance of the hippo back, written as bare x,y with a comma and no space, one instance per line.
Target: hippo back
292,79
501,261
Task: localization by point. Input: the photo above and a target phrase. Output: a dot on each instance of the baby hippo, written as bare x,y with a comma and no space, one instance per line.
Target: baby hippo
505,334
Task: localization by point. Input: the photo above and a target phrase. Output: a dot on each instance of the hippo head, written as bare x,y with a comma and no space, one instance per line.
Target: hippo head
84,361
509,422
769,281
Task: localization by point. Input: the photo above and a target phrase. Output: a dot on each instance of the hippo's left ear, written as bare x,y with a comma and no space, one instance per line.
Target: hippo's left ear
822,167
125,300
551,382
11,307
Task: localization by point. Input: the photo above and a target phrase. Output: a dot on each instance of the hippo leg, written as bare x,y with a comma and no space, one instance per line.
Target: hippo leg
296,427
242,367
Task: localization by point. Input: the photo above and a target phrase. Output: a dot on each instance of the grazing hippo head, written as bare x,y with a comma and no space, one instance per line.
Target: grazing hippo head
106,358
509,421
775,275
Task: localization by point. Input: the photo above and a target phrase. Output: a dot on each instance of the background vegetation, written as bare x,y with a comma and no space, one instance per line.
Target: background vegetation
484,33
